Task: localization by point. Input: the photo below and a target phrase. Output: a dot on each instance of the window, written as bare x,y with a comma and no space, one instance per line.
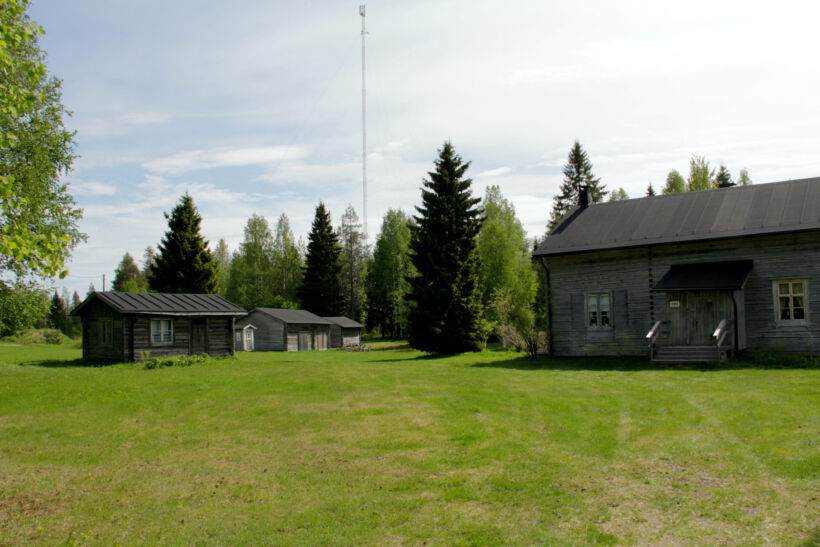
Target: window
106,332
598,310
162,331
790,299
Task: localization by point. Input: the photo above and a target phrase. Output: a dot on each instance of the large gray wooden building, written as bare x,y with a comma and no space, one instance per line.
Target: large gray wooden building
123,326
280,329
691,276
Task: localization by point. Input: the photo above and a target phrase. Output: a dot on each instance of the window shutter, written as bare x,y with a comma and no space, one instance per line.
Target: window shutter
577,313
620,310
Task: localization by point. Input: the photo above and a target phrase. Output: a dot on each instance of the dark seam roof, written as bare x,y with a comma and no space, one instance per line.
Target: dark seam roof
729,275
739,211
302,317
344,322
164,303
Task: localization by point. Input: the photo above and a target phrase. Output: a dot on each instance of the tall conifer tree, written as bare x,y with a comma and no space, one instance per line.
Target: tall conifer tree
445,315
577,173
184,263
321,289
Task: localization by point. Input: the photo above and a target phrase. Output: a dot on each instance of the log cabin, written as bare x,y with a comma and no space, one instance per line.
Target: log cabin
696,276
123,326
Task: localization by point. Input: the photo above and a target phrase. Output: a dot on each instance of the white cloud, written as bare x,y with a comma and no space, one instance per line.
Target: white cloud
91,188
193,160
497,172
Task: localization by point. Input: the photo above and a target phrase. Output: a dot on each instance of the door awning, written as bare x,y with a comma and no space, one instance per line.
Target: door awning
706,276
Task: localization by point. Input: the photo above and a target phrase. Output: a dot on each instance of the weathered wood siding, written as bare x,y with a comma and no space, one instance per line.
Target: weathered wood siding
270,332
351,337
94,349
335,336
627,276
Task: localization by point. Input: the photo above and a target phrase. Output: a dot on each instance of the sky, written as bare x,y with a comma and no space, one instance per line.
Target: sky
256,107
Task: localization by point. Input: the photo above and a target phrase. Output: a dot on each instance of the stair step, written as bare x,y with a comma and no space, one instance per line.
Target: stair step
689,354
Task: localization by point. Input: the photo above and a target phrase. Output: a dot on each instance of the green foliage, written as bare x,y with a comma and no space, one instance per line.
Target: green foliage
785,360
446,313
251,271
177,361
743,178
287,263
675,183
701,177
58,313
505,257
321,290
222,257
354,265
22,306
618,195
128,277
38,215
515,325
387,280
577,173
184,263
723,179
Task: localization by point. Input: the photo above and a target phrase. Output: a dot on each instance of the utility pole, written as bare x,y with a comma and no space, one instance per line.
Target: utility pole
364,131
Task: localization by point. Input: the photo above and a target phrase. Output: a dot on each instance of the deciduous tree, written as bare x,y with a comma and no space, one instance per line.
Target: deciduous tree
701,176
675,183
251,277
446,315
618,195
287,263
387,280
38,216
354,259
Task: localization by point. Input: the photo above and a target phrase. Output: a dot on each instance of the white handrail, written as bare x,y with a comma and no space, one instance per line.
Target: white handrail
721,326
653,331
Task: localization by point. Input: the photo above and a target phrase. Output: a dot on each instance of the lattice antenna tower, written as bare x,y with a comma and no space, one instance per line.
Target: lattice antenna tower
364,129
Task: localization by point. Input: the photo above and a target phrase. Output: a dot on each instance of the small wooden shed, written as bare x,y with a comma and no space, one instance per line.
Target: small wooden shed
344,332
244,337
124,326
279,329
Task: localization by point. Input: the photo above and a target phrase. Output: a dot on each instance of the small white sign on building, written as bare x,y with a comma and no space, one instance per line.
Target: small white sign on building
674,303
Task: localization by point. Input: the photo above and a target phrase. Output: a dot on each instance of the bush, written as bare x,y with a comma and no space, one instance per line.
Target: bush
785,360
39,336
177,361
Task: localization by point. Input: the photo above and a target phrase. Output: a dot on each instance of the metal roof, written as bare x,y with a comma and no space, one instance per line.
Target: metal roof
738,211
164,303
702,276
344,322
293,316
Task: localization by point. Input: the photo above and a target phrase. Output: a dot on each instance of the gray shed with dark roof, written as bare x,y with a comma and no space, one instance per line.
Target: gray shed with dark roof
122,326
678,266
344,332
279,329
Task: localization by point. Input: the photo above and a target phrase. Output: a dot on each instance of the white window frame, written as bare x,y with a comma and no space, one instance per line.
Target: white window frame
595,308
777,295
160,336
106,331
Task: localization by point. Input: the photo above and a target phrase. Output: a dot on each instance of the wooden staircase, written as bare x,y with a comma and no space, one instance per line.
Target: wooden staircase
689,354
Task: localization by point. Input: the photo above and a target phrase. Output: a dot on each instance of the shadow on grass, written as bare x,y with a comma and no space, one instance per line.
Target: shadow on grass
813,539
519,362
66,363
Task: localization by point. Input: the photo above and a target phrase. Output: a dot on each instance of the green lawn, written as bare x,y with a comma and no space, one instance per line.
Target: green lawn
389,447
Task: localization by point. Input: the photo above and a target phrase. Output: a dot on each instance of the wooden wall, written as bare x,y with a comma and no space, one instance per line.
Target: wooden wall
93,347
629,274
269,334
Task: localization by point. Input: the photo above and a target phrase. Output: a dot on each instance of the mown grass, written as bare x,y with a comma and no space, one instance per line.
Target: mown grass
392,447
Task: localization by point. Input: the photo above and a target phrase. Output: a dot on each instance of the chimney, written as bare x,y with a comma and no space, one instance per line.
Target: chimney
583,198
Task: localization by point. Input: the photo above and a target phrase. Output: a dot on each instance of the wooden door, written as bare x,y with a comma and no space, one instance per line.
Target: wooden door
248,339
694,315
304,341
197,336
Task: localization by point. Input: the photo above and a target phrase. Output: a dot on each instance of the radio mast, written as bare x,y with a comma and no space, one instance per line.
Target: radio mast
364,132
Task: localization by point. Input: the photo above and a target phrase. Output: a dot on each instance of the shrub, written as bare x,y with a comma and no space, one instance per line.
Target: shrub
177,361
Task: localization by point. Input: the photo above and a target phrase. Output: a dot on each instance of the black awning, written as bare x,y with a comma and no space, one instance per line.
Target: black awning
706,276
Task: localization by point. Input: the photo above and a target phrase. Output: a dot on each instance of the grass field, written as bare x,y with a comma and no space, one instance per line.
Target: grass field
390,447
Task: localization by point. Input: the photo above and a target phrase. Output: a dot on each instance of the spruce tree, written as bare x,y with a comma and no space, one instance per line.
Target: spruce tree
445,315
577,173
321,289
723,179
184,263
650,191
58,314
